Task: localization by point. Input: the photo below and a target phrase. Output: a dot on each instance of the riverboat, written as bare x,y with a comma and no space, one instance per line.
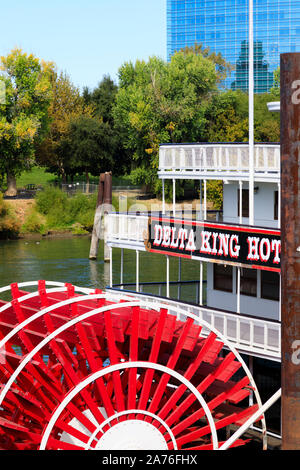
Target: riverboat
130,368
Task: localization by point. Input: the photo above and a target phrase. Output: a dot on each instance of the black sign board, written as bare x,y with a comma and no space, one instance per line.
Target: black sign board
248,246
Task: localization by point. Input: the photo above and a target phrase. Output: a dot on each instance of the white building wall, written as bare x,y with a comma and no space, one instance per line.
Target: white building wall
263,204
250,305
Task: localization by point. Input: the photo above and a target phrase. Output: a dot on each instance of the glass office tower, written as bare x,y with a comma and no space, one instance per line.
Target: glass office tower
222,25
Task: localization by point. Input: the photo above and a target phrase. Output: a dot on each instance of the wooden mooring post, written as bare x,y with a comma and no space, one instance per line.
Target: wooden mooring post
104,205
290,248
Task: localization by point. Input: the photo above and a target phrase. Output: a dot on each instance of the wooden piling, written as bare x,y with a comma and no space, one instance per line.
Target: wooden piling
104,205
290,248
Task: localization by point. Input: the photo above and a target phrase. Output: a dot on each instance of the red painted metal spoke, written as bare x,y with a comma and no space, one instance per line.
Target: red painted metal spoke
133,356
212,404
144,395
171,365
202,387
221,423
95,364
114,359
192,369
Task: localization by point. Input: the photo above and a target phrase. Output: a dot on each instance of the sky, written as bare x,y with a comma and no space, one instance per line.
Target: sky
87,39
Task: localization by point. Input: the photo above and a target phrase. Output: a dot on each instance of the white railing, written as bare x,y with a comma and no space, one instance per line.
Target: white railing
251,335
227,159
128,229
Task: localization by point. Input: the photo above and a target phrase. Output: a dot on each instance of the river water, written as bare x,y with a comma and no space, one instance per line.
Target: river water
67,260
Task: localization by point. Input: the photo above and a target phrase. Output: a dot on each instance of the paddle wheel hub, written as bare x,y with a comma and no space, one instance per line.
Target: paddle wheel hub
133,434
82,370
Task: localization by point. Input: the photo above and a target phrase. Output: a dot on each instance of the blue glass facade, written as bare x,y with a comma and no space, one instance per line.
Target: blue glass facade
222,25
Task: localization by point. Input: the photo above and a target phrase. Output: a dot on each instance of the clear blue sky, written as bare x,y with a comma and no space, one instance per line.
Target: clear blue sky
85,38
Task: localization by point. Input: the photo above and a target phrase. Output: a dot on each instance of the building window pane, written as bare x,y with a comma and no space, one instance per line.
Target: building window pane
276,205
223,277
245,202
249,282
269,285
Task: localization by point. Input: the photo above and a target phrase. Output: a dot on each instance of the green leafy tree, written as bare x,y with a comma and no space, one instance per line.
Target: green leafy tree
88,146
102,99
227,117
162,102
66,105
222,67
23,113
275,90
266,124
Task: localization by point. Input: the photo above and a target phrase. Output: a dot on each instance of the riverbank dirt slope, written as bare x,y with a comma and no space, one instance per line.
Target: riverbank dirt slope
21,207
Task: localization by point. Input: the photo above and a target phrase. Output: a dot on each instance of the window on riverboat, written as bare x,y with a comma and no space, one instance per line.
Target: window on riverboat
223,277
248,282
275,205
269,285
245,202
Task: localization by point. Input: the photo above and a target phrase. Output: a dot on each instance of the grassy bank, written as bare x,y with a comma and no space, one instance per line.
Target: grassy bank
39,176
52,211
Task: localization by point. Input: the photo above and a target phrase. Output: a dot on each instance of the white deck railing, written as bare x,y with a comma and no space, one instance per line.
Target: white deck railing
218,160
248,334
126,229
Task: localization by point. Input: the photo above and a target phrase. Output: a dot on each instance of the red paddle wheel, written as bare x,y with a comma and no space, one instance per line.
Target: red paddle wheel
79,370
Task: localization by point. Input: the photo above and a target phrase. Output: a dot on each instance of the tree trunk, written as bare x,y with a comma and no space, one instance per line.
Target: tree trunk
11,184
87,179
63,174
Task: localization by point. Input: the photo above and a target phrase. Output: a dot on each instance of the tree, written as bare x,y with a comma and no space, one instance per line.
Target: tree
266,124
227,117
162,102
88,146
23,113
275,90
222,67
103,98
66,105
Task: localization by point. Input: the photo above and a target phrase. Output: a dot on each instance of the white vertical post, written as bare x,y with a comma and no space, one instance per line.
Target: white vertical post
179,279
200,196
122,267
205,207
168,277
279,313
251,401
241,201
110,268
238,290
201,284
251,115
137,275
174,197
163,197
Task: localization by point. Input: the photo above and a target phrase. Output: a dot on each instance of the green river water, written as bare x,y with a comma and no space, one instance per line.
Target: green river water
66,259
